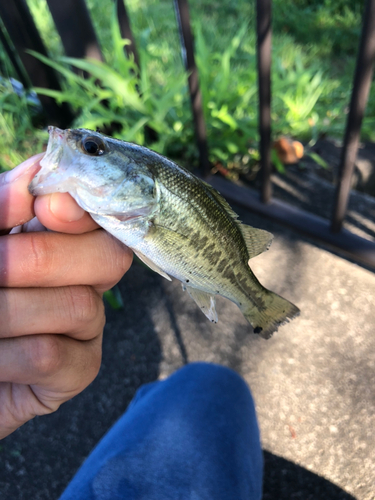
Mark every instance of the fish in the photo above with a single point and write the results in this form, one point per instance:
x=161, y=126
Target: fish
x=176, y=223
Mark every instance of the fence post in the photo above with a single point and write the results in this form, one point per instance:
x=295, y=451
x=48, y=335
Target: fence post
x=22, y=31
x=361, y=88
x=73, y=22
x=186, y=38
x=264, y=89
x=126, y=32
x=24, y=35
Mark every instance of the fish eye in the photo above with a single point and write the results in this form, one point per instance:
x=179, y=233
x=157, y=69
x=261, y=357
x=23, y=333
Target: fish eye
x=93, y=146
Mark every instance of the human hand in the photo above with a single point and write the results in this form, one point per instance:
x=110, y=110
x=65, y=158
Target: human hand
x=51, y=308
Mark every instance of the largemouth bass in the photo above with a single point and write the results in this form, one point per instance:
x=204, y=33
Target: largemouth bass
x=175, y=223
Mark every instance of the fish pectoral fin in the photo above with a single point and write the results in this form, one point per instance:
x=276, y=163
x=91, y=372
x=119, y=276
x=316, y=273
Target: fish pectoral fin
x=151, y=264
x=257, y=240
x=205, y=301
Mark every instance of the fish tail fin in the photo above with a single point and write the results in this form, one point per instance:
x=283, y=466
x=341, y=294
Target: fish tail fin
x=266, y=320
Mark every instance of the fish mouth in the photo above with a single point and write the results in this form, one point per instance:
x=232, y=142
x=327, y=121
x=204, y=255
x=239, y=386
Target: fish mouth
x=50, y=176
x=56, y=133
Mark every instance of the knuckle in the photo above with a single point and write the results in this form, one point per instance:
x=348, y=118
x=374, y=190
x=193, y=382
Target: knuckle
x=90, y=364
x=46, y=354
x=121, y=259
x=95, y=363
x=86, y=306
x=41, y=254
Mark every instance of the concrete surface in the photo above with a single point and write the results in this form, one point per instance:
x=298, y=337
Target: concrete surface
x=313, y=382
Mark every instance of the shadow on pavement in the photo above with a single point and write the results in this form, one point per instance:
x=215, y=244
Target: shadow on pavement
x=284, y=480
x=39, y=459
x=176, y=329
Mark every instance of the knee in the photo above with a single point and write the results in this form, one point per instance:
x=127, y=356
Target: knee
x=214, y=379
x=210, y=372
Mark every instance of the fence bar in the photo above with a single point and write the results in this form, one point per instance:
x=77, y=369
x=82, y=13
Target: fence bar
x=183, y=20
x=345, y=242
x=73, y=22
x=21, y=28
x=264, y=89
x=126, y=32
x=361, y=88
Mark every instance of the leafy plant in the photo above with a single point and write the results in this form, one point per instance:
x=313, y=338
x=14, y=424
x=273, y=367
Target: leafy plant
x=109, y=94
x=318, y=159
x=331, y=25
x=113, y=94
x=296, y=95
x=18, y=137
x=114, y=298
x=310, y=90
x=229, y=104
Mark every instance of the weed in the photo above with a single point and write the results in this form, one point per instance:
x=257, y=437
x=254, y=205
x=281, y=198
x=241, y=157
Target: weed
x=18, y=137
x=311, y=80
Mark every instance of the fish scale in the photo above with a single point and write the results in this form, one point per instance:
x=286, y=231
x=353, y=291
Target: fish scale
x=177, y=224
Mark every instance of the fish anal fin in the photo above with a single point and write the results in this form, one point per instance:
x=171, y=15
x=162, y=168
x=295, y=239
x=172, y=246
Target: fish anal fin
x=257, y=240
x=151, y=264
x=205, y=301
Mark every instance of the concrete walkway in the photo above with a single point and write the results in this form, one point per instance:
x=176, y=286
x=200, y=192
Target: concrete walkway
x=313, y=382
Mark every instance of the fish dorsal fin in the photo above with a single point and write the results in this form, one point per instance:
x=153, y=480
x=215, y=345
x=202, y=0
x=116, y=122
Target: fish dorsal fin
x=204, y=301
x=221, y=200
x=257, y=240
x=151, y=264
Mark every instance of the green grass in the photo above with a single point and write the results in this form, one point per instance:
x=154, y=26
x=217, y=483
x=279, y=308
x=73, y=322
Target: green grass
x=314, y=50
x=19, y=139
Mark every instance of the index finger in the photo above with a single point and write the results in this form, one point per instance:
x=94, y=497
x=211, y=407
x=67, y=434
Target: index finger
x=16, y=203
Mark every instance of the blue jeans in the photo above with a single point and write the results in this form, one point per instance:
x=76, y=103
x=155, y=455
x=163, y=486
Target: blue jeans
x=192, y=436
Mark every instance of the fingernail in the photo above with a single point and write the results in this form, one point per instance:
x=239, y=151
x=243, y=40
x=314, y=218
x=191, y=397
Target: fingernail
x=65, y=208
x=20, y=170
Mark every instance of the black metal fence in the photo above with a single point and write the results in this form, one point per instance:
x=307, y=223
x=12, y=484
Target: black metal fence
x=75, y=28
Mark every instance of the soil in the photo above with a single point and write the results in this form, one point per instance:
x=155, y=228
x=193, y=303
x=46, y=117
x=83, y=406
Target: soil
x=311, y=187
x=364, y=170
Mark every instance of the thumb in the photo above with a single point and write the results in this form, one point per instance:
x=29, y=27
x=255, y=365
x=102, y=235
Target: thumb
x=60, y=212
